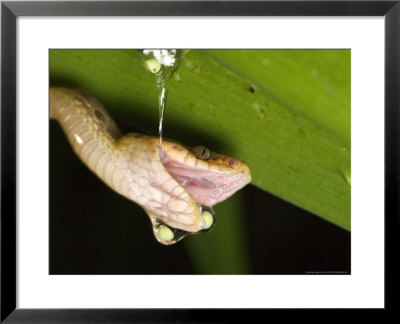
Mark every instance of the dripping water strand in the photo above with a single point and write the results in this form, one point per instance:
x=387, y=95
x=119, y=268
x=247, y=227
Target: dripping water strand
x=163, y=63
x=162, y=101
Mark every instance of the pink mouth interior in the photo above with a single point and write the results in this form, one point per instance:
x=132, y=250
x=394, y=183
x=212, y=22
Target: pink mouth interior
x=205, y=187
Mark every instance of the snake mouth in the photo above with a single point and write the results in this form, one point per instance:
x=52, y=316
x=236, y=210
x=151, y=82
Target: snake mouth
x=207, y=182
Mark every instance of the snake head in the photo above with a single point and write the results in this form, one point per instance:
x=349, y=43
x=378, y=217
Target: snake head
x=176, y=186
x=208, y=177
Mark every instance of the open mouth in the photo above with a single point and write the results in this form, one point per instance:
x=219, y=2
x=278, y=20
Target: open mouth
x=194, y=177
x=205, y=186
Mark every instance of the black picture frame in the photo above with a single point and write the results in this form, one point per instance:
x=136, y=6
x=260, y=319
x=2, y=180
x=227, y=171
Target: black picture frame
x=10, y=10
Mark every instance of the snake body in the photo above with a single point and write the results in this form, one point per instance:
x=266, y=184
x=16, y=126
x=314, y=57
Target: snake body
x=166, y=179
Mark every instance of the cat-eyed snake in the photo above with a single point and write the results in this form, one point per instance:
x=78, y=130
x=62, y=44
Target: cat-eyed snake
x=167, y=180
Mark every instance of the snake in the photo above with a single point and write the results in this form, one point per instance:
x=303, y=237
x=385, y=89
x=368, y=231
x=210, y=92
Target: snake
x=175, y=185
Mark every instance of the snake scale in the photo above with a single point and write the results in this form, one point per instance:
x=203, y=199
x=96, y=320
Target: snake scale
x=169, y=181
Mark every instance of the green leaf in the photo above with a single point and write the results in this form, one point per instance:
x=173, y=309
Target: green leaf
x=314, y=83
x=277, y=122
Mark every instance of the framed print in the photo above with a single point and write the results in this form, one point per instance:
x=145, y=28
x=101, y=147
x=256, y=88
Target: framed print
x=267, y=129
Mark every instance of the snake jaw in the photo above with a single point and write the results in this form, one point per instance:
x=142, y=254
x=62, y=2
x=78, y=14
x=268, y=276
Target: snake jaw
x=151, y=185
x=207, y=182
x=177, y=181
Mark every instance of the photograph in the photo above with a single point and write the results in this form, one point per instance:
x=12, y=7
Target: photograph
x=190, y=161
x=196, y=161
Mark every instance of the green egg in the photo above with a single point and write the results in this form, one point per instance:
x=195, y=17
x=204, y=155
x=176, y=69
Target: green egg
x=165, y=233
x=153, y=65
x=209, y=219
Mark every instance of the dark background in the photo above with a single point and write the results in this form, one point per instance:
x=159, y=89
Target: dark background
x=93, y=230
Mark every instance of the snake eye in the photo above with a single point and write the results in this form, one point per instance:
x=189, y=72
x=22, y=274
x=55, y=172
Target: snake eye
x=201, y=152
